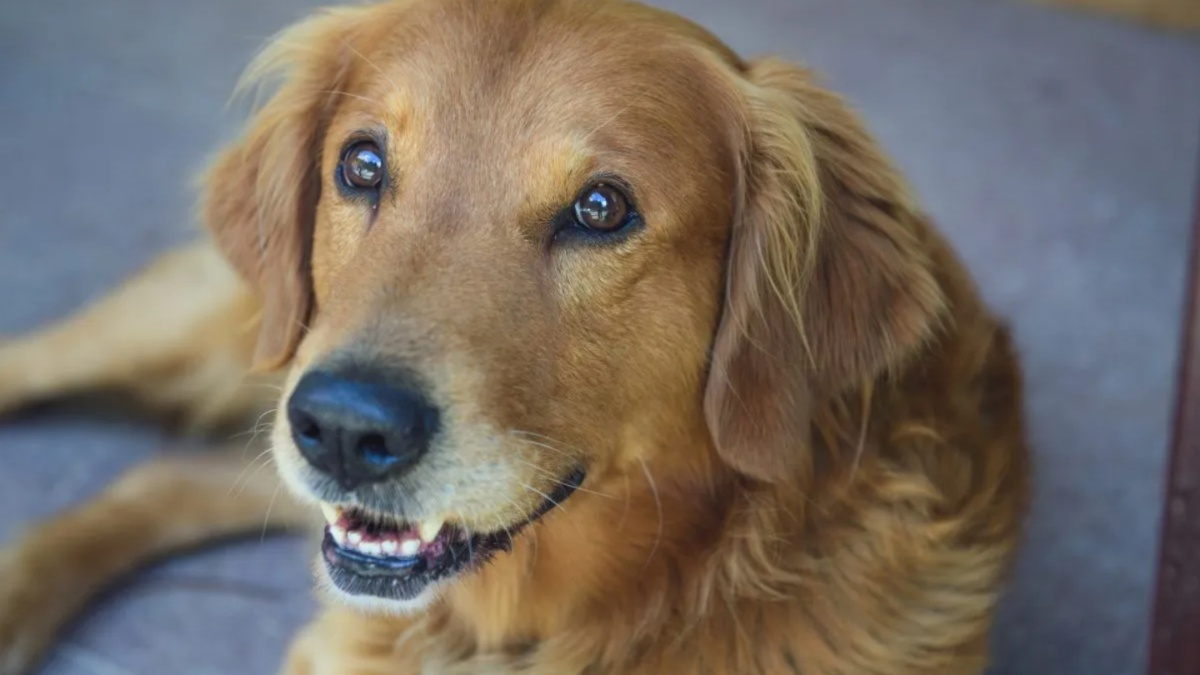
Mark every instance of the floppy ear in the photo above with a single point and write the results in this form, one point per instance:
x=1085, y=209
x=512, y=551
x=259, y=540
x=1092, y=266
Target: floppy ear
x=259, y=197
x=828, y=284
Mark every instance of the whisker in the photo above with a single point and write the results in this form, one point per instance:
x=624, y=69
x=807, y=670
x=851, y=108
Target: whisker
x=247, y=475
x=278, y=41
x=657, y=504
x=405, y=636
x=862, y=432
x=548, y=447
x=608, y=121
x=543, y=494
x=467, y=529
x=262, y=385
x=512, y=543
x=453, y=555
x=256, y=429
x=368, y=99
x=252, y=432
x=548, y=439
x=369, y=62
x=531, y=531
x=267, y=518
x=554, y=479
x=532, y=534
x=233, y=487
x=545, y=445
x=625, y=513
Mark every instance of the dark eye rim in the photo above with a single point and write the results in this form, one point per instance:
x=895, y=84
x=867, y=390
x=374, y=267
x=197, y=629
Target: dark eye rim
x=567, y=225
x=349, y=189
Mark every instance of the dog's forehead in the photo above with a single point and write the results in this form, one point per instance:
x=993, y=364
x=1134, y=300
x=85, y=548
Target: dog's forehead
x=469, y=65
x=554, y=89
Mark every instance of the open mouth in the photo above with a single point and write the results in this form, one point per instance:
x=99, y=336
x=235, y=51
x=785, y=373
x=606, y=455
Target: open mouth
x=369, y=553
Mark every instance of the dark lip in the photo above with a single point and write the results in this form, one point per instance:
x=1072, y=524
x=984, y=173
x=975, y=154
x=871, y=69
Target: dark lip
x=406, y=578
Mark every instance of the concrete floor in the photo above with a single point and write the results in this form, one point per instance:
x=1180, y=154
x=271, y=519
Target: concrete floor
x=1058, y=151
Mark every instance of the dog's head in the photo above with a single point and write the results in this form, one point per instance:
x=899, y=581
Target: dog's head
x=515, y=250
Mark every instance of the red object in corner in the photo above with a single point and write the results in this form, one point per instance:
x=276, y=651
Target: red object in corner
x=1175, y=631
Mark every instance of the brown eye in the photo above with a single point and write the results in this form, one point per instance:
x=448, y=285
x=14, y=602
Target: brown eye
x=362, y=165
x=602, y=207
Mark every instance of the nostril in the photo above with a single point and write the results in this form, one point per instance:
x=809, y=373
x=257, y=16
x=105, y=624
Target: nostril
x=307, y=428
x=373, y=448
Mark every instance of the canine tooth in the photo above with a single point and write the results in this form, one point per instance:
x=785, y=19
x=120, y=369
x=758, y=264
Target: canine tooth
x=354, y=538
x=332, y=513
x=388, y=546
x=429, y=529
x=410, y=547
x=339, y=534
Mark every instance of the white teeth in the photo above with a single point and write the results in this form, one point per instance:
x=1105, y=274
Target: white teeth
x=403, y=543
x=332, y=513
x=410, y=547
x=429, y=529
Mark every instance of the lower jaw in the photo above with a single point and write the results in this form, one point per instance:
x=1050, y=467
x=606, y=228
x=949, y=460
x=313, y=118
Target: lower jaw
x=407, y=579
x=404, y=579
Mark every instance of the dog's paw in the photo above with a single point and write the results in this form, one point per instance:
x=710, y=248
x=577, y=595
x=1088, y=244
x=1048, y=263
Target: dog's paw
x=9, y=390
x=27, y=613
x=13, y=390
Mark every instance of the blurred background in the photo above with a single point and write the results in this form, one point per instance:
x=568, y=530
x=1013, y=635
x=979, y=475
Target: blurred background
x=1057, y=149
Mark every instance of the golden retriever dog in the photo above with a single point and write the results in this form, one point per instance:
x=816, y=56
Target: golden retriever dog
x=599, y=350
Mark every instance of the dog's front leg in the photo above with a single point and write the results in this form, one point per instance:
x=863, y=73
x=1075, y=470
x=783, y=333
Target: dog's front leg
x=177, y=336
x=168, y=504
x=343, y=642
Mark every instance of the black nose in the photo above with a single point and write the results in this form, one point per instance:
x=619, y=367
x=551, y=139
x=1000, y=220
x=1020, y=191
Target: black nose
x=358, y=432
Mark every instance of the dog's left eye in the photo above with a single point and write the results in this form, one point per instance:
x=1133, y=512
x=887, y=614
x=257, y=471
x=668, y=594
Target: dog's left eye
x=362, y=166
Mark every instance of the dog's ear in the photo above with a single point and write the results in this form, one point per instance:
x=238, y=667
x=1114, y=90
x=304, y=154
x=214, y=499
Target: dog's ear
x=259, y=197
x=828, y=282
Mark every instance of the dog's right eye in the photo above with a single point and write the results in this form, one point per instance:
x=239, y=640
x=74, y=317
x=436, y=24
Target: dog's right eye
x=362, y=166
x=600, y=213
x=602, y=208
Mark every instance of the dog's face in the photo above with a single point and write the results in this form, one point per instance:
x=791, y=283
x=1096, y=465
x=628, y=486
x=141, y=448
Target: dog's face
x=493, y=242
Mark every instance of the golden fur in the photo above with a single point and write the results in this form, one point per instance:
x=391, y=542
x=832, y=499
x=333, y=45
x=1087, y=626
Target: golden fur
x=801, y=426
